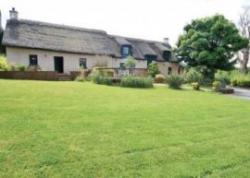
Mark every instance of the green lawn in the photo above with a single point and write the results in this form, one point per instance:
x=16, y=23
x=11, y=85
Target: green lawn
x=71, y=129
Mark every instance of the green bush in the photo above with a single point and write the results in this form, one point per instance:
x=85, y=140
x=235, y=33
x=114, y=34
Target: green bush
x=193, y=76
x=20, y=67
x=99, y=79
x=196, y=86
x=175, y=81
x=240, y=79
x=136, y=82
x=222, y=76
x=3, y=64
x=217, y=85
x=159, y=78
x=153, y=69
x=80, y=78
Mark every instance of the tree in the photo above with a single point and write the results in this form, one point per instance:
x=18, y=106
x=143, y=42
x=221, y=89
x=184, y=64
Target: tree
x=130, y=63
x=210, y=43
x=244, y=24
x=153, y=69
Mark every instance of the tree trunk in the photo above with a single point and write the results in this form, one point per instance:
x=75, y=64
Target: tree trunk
x=244, y=60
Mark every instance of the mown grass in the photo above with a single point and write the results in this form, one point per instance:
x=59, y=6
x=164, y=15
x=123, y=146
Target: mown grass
x=71, y=129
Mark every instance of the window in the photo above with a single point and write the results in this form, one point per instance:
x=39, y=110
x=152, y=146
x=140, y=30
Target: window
x=150, y=58
x=83, y=63
x=167, y=55
x=122, y=66
x=126, y=51
x=33, y=60
x=169, y=71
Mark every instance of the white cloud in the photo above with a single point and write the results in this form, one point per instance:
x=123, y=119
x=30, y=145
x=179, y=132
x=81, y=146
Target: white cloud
x=151, y=19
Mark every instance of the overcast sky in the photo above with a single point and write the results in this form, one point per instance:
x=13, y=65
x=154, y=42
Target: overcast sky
x=149, y=19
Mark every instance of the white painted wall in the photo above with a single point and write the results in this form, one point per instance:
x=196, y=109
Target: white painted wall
x=20, y=56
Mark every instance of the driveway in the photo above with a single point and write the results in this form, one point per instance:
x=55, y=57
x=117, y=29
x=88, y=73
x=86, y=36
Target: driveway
x=242, y=93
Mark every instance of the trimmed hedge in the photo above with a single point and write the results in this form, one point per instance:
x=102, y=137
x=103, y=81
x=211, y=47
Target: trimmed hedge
x=136, y=82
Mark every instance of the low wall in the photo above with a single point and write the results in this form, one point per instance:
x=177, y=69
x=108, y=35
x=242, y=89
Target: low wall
x=54, y=76
x=29, y=75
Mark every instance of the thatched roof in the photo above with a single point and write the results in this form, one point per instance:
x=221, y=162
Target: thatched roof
x=40, y=35
x=47, y=36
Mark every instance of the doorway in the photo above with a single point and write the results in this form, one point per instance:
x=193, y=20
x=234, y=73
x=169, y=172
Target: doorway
x=58, y=61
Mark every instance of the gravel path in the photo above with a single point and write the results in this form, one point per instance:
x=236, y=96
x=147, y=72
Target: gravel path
x=242, y=93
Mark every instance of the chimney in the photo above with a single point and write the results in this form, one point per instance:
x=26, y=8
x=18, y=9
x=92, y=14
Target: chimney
x=166, y=40
x=13, y=14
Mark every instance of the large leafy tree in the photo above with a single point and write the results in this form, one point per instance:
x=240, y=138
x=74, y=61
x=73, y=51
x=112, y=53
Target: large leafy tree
x=244, y=24
x=210, y=43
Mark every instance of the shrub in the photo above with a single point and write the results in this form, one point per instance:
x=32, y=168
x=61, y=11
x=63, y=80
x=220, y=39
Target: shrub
x=3, y=64
x=97, y=77
x=217, y=86
x=136, y=82
x=102, y=71
x=20, y=68
x=193, y=76
x=175, y=81
x=153, y=69
x=240, y=79
x=196, y=86
x=130, y=62
x=159, y=78
x=80, y=78
x=222, y=76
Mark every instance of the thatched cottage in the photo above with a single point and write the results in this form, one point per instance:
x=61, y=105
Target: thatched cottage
x=65, y=48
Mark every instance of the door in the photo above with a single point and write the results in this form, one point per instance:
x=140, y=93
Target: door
x=58, y=61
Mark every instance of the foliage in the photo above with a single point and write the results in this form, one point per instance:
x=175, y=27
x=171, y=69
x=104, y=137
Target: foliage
x=244, y=24
x=130, y=62
x=47, y=126
x=195, y=86
x=136, y=82
x=222, y=76
x=3, y=64
x=80, y=78
x=175, y=81
x=20, y=68
x=102, y=80
x=240, y=79
x=159, y=78
x=193, y=75
x=210, y=42
x=217, y=86
x=153, y=69
x=103, y=71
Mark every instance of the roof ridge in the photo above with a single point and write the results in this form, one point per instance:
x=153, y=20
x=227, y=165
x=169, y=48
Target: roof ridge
x=62, y=26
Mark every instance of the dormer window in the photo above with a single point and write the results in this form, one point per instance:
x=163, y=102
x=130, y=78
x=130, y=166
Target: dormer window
x=126, y=50
x=166, y=55
x=150, y=58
